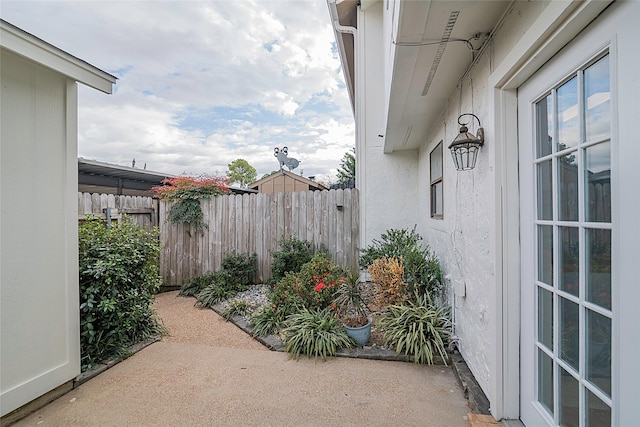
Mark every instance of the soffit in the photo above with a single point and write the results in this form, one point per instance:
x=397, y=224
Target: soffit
x=410, y=113
x=92, y=167
x=37, y=50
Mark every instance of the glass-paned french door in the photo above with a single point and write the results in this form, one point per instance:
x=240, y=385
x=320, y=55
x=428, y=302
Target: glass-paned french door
x=572, y=237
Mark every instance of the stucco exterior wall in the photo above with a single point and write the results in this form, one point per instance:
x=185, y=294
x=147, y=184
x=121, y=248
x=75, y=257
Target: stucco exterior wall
x=464, y=239
x=387, y=200
x=38, y=222
x=479, y=238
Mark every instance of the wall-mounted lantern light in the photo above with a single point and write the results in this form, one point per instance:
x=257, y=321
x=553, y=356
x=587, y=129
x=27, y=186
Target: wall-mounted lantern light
x=465, y=147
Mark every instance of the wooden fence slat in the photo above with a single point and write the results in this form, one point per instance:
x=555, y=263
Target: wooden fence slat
x=346, y=233
x=292, y=209
x=332, y=219
x=254, y=223
x=249, y=206
x=339, y=224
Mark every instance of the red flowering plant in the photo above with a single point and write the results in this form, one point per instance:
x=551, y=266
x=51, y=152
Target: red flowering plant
x=186, y=193
x=312, y=287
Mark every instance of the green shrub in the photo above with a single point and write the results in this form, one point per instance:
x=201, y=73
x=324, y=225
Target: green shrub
x=314, y=333
x=392, y=244
x=237, y=307
x=235, y=276
x=118, y=279
x=197, y=284
x=417, y=328
x=312, y=287
x=267, y=321
x=240, y=269
x=422, y=271
x=291, y=256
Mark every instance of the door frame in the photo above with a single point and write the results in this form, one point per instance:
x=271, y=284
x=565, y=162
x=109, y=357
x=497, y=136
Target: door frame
x=556, y=26
x=580, y=53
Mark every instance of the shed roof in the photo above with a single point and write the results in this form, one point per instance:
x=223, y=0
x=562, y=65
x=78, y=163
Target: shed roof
x=108, y=175
x=311, y=183
x=92, y=172
x=37, y=50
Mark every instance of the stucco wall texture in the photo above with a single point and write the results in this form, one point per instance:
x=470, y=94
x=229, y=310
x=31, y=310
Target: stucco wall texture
x=464, y=239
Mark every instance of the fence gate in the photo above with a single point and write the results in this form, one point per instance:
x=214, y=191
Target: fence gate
x=138, y=209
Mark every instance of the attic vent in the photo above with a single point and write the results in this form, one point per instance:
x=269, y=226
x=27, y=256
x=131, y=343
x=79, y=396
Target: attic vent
x=446, y=35
x=406, y=136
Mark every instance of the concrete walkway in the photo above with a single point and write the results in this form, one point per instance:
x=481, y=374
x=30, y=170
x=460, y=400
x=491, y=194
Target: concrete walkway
x=177, y=382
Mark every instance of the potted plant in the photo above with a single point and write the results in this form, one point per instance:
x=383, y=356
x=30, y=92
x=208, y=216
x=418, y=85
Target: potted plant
x=352, y=310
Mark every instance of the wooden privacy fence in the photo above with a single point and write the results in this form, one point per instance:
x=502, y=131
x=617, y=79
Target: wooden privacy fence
x=254, y=223
x=141, y=210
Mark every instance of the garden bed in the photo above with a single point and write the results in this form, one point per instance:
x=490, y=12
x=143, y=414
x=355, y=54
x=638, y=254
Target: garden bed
x=374, y=350
x=316, y=307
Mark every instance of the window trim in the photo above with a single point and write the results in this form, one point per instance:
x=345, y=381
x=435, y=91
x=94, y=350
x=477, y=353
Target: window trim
x=434, y=182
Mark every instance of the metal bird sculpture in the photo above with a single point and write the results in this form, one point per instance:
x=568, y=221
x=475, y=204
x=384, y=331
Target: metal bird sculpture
x=284, y=159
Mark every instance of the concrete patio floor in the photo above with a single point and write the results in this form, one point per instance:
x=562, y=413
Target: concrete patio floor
x=189, y=380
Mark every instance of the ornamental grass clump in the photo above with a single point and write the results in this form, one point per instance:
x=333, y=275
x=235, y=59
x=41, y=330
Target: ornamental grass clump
x=315, y=333
x=186, y=192
x=417, y=328
x=267, y=321
x=237, y=307
x=194, y=286
x=349, y=302
x=213, y=294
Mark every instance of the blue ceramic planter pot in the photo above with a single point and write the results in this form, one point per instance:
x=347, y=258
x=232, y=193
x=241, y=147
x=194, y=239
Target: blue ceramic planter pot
x=360, y=335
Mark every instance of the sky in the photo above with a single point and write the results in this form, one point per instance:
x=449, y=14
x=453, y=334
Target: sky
x=202, y=83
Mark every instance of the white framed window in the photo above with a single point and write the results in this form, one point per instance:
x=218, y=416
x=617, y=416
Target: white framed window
x=436, y=184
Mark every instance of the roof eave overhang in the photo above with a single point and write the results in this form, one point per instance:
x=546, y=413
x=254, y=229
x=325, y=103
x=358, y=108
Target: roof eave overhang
x=93, y=167
x=429, y=62
x=37, y=50
x=343, y=16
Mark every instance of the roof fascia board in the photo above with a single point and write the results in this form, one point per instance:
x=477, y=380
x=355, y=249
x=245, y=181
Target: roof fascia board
x=28, y=46
x=342, y=51
x=111, y=167
x=398, y=28
x=557, y=25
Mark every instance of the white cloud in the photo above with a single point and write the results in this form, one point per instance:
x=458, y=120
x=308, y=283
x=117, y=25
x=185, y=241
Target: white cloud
x=265, y=67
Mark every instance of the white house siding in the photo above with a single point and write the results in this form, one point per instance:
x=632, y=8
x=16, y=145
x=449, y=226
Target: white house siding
x=40, y=329
x=478, y=238
x=395, y=187
x=387, y=182
x=39, y=313
x=465, y=239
